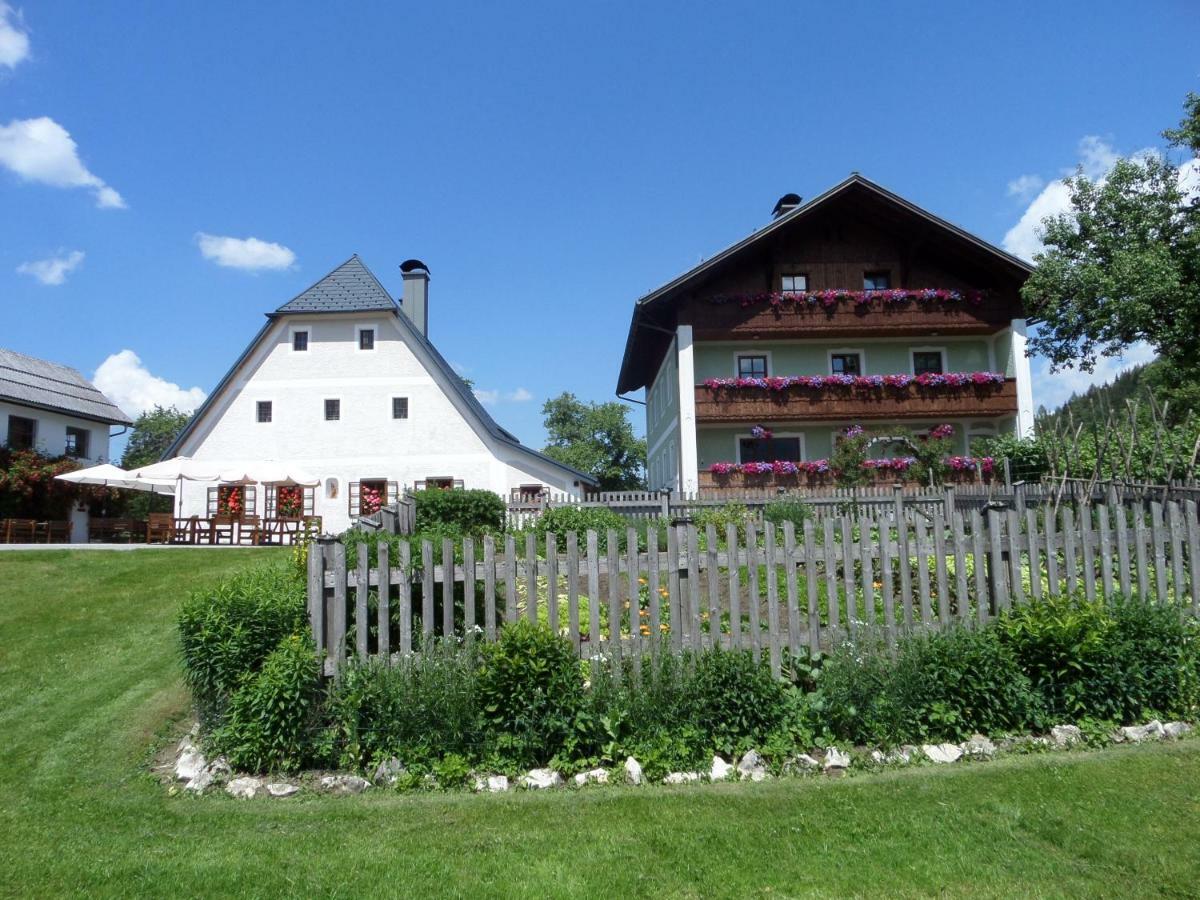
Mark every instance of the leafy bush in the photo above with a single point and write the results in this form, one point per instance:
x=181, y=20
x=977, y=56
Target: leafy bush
x=421, y=707
x=788, y=510
x=721, y=517
x=226, y=633
x=735, y=701
x=600, y=519
x=471, y=512
x=1121, y=661
x=272, y=713
x=530, y=689
x=942, y=686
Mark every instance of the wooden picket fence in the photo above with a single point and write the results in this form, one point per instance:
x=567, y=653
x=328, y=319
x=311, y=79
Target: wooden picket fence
x=772, y=590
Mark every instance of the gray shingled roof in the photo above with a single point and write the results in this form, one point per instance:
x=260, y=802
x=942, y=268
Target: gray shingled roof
x=352, y=287
x=46, y=385
x=349, y=288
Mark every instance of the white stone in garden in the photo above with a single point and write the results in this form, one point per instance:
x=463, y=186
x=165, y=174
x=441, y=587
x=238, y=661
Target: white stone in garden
x=1176, y=729
x=801, y=764
x=191, y=762
x=282, y=789
x=492, y=784
x=245, y=787
x=344, y=784
x=719, y=770
x=592, y=776
x=942, y=753
x=388, y=771
x=681, y=777
x=979, y=747
x=201, y=782
x=1065, y=736
x=1151, y=731
x=836, y=759
x=752, y=766
x=633, y=771
x=540, y=779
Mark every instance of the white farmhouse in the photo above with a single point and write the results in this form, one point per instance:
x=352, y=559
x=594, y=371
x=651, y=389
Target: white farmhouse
x=342, y=383
x=51, y=408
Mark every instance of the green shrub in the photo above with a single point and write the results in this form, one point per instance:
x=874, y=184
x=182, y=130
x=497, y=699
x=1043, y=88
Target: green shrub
x=470, y=512
x=788, y=510
x=420, y=707
x=941, y=686
x=272, y=713
x=721, y=517
x=735, y=701
x=530, y=689
x=600, y=519
x=1119, y=661
x=227, y=632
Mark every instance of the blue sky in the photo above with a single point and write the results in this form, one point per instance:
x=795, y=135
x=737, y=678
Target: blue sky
x=549, y=162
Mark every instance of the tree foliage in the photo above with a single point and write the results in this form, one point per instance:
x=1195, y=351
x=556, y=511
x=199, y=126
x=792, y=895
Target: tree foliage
x=1123, y=265
x=153, y=432
x=596, y=438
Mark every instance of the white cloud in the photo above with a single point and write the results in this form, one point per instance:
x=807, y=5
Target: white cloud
x=492, y=397
x=53, y=270
x=129, y=384
x=1051, y=390
x=248, y=254
x=1025, y=186
x=14, y=42
x=1096, y=158
x=42, y=151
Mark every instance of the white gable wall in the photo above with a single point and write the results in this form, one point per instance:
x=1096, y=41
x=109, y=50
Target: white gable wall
x=437, y=439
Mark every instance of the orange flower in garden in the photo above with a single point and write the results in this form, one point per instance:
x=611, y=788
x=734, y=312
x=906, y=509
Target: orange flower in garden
x=645, y=629
x=641, y=581
x=627, y=604
x=664, y=627
x=662, y=592
x=643, y=612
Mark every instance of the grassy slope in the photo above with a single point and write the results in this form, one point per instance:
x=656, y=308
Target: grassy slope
x=88, y=674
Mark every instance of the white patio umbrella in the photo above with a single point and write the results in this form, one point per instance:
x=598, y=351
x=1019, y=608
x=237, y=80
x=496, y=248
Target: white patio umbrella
x=177, y=469
x=108, y=475
x=267, y=471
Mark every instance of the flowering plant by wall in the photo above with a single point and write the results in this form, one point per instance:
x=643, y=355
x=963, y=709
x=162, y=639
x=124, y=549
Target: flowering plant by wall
x=370, y=500
x=831, y=298
x=986, y=464
x=859, y=382
x=289, y=502
x=231, y=500
x=760, y=433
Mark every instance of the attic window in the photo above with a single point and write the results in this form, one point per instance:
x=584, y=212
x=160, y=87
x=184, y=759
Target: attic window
x=299, y=340
x=366, y=339
x=333, y=410
x=263, y=411
x=399, y=407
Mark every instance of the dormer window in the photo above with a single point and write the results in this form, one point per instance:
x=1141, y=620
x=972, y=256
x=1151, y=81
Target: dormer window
x=794, y=284
x=877, y=281
x=366, y=339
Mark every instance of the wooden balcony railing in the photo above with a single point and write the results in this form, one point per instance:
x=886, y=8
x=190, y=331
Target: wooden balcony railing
x=731, y=321
x=854, y=405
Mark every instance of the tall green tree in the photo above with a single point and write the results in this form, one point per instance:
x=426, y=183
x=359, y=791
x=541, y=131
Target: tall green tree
x=153, y=432
x=596, y=438
x=1124, y=264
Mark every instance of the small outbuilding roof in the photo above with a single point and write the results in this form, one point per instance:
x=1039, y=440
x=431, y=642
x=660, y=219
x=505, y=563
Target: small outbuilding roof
x=45, y=385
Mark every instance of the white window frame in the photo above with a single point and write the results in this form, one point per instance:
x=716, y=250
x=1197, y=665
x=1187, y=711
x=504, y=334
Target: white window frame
x=842, y=351
x=738, y=438
x=913, y=351
x=293, y=330
x=784, y=275
x=738, y=354
x=359, y=329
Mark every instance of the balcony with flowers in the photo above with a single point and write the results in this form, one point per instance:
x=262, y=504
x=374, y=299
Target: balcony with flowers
x=837, y=311
x=856, y=397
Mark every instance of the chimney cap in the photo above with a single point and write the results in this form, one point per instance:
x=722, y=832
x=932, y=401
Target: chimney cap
x=413, y=265
x=786, y=203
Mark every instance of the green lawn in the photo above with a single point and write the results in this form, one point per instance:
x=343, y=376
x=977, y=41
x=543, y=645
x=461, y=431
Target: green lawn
x=89, y=676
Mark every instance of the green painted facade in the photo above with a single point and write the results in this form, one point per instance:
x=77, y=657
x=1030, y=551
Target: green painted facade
x=717, y=359
x=662, y=425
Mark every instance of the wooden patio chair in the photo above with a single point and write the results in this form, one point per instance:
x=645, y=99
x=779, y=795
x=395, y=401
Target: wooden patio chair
x=22, y=531
x=221, y=530
x=57, y=531
x=249, y=530
x=160, y=528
